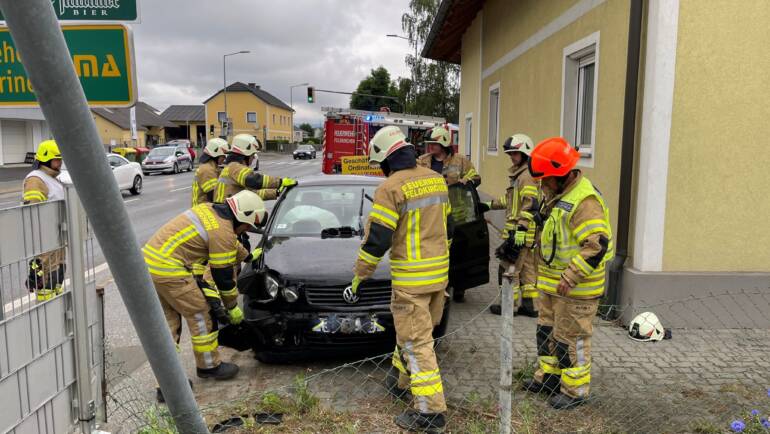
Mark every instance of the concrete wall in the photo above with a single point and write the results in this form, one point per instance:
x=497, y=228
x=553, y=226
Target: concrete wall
x=238, y=104
x=716, y=215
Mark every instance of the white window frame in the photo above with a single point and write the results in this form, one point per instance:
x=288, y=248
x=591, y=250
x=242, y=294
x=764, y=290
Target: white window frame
x=576, y=55
x=468, y=133
x=255, y=121
x=492, y=89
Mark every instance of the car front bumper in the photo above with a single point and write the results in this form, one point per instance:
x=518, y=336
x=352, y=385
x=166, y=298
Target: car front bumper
x=163, y=167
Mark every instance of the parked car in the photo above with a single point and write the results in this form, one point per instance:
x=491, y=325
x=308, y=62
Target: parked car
x=304, y=151
x=167, y=159
x=293, y=295
x=186, y=144
x=128, y=174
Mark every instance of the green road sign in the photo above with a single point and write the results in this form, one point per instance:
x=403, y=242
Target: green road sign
x=103, y=58
x=94, y=10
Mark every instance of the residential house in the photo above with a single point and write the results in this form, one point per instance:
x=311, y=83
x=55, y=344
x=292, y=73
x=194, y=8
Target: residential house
x=189, y=121
x=21, y=130
x=114, y=126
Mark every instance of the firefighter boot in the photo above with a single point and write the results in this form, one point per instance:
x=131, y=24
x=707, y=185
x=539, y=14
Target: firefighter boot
x=159, y=394
x=224, y=371
x=413, y=421
x=563, y=402
x=527, y=308
x=391, y=384
x=550, y=385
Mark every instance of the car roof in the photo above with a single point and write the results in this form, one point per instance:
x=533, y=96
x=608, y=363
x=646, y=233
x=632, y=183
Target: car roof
x=322, y=180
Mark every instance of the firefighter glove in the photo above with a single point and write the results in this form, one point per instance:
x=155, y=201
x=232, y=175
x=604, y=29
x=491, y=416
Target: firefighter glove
x=254, y=255
x=485, y=206
x=520, y=236
x=285, y=183
x=236, y=315
x=354, y=285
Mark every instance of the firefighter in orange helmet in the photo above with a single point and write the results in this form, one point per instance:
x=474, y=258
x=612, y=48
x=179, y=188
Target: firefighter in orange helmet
x=575, y=242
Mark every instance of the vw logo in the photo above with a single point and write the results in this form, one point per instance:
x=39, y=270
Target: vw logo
x=349, y=296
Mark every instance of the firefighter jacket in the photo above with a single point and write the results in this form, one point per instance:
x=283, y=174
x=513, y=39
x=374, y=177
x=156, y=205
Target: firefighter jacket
x=456, y=168
x=575, y=241
x=236, y=176
x=41, y=185
x=521, y=201
x=205, y=183
x=410, y=217
x=198, y=236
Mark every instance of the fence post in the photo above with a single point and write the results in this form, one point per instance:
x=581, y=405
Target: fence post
x=506, y=350
x=76, y=223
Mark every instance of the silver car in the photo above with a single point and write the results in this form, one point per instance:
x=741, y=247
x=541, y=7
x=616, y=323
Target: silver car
x=167, y=159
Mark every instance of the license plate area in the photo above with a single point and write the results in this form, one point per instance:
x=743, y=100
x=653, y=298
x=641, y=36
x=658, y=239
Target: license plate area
x=348, y=324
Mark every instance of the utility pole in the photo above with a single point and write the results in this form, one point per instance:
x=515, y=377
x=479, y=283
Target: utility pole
x=224, y=85
x=291, y=104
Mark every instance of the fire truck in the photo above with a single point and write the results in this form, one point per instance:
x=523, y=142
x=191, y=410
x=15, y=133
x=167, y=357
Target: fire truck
x=347, y=132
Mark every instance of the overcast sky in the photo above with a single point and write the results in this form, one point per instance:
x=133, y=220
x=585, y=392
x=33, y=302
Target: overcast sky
x=332, y=44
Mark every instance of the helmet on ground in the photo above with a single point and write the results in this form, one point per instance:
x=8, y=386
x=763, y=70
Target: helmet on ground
x=387, y=141
x=552, y=157
x=439, y=135
x=519, y=143
x=646, y=327
x=216, y=147
x=47, y=150
x=245, y=144
x=247, y=207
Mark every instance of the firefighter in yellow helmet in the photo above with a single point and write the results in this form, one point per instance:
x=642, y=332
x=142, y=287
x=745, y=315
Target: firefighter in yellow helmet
x=521, y=202
x=237, y=174
x=575, y=243
x=411, y=218
x=440, y=157
x=207, y=175
x=206, y=233
x=46, y=272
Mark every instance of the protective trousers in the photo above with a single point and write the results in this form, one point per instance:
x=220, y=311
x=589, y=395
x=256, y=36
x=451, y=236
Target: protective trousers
x=564, y=330
x=524, y=278
x=46, y=275
x=181, y=298
x=414, y=316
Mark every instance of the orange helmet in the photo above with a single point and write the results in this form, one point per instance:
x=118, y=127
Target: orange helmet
x=552, y=157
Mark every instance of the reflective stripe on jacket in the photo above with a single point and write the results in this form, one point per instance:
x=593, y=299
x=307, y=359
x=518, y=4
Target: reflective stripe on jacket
x=455, y=168
x=232, y=179
x=521, y=200
x=206, y=178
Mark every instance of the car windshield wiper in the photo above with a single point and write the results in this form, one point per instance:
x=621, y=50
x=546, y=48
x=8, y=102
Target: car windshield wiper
x=340, y=232
x=361, y=212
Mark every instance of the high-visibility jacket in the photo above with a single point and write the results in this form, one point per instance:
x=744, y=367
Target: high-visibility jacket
x=455, y=168
x=521, y=201
x=409, y=217
x=237, y=176
x=575, y=241
x=205, y=182
x=197, y=236
x=41, y=185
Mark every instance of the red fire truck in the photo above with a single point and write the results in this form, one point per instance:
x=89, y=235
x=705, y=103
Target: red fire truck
x=347, y=132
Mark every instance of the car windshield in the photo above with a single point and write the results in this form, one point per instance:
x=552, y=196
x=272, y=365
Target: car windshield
x=305, y=148
x=306, y=211
x=161, y=152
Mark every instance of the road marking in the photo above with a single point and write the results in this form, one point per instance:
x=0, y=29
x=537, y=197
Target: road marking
x=179, y=189
x=130, y=200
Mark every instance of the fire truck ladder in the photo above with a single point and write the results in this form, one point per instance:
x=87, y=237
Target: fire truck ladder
x=362, y=135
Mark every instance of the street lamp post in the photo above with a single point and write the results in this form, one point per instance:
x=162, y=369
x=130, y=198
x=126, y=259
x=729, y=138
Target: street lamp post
x=291, y=104
x=224, y=81
x=398, y=36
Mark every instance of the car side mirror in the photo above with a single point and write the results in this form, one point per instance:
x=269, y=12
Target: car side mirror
x=178, y=153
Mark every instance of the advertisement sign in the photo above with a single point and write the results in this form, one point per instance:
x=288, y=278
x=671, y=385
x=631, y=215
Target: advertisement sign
x=359, y=165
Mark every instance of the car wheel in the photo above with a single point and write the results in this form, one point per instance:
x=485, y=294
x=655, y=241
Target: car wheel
x=458, y=296
x=137, y=188
x=176, y=168
x=274, y=358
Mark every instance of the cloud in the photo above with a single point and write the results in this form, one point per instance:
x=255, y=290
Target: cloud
x=332, y=44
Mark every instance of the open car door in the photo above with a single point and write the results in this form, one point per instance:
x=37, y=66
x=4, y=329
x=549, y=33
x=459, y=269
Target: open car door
x=469, y=254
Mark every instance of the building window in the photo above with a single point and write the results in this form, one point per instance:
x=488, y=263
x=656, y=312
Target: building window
x=273, y=119
x=468, y=135
x=581, y=62
x=221, y=117
x=494, y=117
x=251, y=117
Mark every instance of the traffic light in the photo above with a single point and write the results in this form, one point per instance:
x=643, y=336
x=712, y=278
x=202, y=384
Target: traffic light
x=310, y=95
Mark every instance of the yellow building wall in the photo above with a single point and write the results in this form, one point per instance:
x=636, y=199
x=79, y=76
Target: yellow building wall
x=716, y=206
x=107, y=130
x=469, y=87
x=531, y=85
x=238, y=104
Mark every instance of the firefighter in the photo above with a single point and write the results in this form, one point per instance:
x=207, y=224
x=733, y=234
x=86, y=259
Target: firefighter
x=204, y=233
x=46, y=272
x=442, y=159
x=575, y=244
x=410, y=217
x=237, y=174
x=207, y=174
x=521, y=202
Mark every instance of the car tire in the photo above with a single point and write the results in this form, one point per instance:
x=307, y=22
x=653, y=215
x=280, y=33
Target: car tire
x=136, y=189
x=275, y=358
x=176, y=169
x=458, y=296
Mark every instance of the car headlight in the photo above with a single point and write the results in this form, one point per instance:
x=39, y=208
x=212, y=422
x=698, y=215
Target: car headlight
x=290, y=294
x=272, y=286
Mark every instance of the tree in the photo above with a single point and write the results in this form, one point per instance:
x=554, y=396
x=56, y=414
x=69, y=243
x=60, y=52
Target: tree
x=307, y=128
x=434, y=87
x=378, y=82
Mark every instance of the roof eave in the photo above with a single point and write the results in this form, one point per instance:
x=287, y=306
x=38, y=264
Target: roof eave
x=435, y=28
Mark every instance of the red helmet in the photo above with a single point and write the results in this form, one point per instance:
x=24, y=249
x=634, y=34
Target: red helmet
x=552, y=157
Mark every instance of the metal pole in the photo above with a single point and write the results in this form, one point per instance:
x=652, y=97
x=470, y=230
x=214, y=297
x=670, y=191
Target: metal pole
x=86, y=407
x=506, y=349
x=37, y=35
x=224, y=83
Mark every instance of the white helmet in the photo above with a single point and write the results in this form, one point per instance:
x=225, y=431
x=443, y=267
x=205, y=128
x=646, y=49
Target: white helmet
x=387, y=141
x=216, y=147
x=519, y=143
x=646, y=327
x=245, y=144
x=439, y=135
x=247, y=207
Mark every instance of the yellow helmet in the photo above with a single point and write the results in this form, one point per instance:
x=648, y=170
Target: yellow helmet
x=439, y=135
x=245, y=144
x=248, y=208
x=387, y=141
x=216, y=147
x=47, y=150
